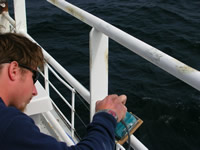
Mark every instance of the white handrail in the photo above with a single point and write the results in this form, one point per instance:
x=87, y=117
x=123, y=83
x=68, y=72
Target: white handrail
x=155, y=56
x=136, y=144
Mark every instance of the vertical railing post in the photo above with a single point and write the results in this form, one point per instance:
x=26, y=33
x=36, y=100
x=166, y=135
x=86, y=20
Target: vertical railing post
x=4, y=23
x=98, y=68
x=73, y=113
x=20, y=16
x=46, y=78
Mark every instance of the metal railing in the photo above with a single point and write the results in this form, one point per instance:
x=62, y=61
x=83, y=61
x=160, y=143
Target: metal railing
x=99, y=36
x=51, y=65
x=155, y=56
x=71, y=106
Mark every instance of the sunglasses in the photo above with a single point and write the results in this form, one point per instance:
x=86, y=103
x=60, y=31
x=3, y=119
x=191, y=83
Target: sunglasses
x=36, y=74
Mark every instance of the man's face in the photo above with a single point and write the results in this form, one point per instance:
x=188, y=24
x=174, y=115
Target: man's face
x=26, y=90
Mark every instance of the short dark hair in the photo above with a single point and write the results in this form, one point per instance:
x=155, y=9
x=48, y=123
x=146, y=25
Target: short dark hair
x=16, y=47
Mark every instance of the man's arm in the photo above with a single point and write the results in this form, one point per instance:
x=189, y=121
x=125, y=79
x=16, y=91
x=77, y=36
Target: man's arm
x=22, y=134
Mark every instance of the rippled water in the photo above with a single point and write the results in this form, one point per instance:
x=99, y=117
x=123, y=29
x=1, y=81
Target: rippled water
x=169, y=108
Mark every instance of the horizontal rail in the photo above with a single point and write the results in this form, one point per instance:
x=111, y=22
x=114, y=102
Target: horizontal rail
x=61, y=80
x=60, y=112
x=119, y=147
x=55, y=89
x=155, y=56
x=136, y=144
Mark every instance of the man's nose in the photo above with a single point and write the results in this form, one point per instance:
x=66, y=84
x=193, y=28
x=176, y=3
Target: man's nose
x=34, y=93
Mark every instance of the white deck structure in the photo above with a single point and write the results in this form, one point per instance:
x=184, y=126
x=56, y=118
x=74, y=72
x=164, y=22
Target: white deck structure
x=44, y=111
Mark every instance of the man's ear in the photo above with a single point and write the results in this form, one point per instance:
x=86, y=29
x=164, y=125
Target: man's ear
x=13, y=70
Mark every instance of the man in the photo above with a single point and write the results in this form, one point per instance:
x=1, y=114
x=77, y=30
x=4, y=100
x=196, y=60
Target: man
x=19, y=59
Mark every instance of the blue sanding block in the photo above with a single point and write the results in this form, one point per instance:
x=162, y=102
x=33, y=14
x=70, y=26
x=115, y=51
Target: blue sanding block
x=132, y=122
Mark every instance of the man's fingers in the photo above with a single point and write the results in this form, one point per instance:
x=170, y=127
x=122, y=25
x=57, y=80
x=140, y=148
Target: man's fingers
x=113, y=96
x=115, y=103
x=97, y=102
x=123, y=99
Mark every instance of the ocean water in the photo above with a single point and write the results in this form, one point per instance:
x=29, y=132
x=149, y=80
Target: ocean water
x=169, y=108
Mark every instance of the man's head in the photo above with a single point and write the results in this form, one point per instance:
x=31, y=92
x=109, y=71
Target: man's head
x=19, y=59
x=18, y=48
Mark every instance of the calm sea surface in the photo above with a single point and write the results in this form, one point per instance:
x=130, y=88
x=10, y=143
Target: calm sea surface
x=169, y=108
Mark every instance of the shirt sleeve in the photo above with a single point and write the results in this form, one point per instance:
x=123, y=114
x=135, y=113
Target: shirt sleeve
x=23, y=134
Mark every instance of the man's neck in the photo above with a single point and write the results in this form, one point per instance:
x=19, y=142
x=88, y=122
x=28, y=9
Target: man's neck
x=2, y=99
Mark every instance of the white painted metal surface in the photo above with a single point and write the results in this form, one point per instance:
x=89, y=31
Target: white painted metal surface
x=119, y=147
x=46, y=78
x=9, y=21
x=98, y=68
x=20, y=15
x=73, y=114
x=58, y=128
x=136, y=144
x=4, y=23
x=40, y=103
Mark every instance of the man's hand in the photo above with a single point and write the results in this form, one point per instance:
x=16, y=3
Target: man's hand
x=115, y=103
